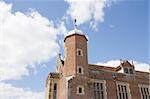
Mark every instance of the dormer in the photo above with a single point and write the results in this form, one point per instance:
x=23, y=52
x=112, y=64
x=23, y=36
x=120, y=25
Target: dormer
x=125, y=67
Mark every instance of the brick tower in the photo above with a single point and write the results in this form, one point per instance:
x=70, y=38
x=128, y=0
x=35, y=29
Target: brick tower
x=75, y=53
x=76, y=63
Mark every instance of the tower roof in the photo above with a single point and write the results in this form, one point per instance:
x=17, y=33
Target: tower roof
x=75, y=32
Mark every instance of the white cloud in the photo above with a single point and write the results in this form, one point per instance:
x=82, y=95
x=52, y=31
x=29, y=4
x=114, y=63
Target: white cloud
x=111, y=63
x=7, y=91
x=138, y=65
x=25, y=39
x=141, y=66
x=88, y=11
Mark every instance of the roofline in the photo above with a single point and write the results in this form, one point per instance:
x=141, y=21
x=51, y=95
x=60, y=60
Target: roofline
x=142, y=71
x=101, y=65
x=117, y=67
x=75, y=34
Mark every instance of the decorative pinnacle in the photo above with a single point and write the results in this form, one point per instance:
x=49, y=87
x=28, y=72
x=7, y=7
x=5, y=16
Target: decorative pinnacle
x=75, y=23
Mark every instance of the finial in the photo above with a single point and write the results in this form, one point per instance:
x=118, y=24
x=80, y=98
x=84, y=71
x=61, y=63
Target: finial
x=120, y=61
x=59, y=54
x=132, y=62
x=75, y=23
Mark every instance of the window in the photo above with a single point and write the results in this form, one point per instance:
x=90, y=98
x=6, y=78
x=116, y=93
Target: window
x=99, y=90
x=131, y=71
x=80, y=90
x=79, y=52
x=144, y=91
x=128, y=70
x=80, y=70
x=55, y=86
x=123, y=91
x=55, y=91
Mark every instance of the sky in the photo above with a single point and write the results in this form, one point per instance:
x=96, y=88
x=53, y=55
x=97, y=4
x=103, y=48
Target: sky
x=32, y=33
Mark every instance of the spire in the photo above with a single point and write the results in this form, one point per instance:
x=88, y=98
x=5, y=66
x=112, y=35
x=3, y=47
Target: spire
x=75, y=23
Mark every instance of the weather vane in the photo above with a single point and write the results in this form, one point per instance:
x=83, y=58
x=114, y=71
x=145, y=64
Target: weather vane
x=75, y=23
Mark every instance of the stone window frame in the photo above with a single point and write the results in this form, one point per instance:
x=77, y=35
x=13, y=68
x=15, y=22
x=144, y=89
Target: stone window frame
x=81, y=52
x=127, y=88
x=145, y=94
x=104, y=85
x=82, y=70
x=82, y=88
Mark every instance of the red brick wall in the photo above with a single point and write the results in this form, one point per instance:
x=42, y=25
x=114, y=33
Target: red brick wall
x=72, y=60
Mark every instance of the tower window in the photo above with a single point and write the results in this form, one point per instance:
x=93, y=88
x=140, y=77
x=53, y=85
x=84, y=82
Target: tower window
x=80, y=90
x=79, y=52
x=55, y=91
x=55, y=86
x=80, y=70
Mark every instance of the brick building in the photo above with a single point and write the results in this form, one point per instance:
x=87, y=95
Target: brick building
x=75, y=78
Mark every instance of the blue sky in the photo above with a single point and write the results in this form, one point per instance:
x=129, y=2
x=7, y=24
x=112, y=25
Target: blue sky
x=121, y=33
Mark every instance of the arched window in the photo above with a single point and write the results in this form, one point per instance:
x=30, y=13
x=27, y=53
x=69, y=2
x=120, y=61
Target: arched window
x=80, y=70
x=80, y=89
x=79, y=52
